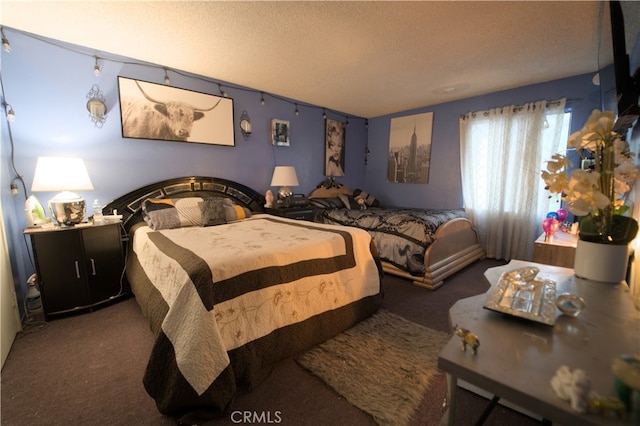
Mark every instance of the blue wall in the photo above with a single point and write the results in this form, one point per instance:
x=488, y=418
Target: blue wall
x=444, y=189
x=46, y=82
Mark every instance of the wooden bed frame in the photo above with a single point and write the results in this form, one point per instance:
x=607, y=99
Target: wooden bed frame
x=455, y=246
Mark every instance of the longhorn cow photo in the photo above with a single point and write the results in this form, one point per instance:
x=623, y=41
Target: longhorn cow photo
x=154, y=111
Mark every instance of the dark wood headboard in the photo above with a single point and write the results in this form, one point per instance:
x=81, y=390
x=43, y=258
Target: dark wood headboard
x=130, y=205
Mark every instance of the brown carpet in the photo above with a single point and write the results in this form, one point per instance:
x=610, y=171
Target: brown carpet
x=87, y=369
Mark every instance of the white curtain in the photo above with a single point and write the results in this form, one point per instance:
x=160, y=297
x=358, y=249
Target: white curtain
x=502, y=152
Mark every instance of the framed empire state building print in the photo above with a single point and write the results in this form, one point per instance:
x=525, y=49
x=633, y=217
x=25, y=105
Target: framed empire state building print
x=410, y=148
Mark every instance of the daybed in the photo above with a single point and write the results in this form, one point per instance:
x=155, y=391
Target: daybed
x=423, y=245
x=227, y=302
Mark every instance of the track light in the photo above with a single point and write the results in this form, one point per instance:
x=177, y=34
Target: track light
x=5, y=43
x=324, y=114
x=346, y=124
x=166, y=77
x=11, y=115
x=261, y=98
x=222, y=92
x=297, y=110
x=96, y=68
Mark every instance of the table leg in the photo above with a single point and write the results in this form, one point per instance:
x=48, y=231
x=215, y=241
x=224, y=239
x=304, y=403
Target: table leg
x=452, y=388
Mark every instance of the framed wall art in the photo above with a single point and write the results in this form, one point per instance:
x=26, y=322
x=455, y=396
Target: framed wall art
x=334, y=147
x=280, y=132
x=410, y=148
x=155, y=111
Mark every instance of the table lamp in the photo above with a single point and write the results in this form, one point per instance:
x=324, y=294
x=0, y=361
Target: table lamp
x=284, y=176
x=63, y=174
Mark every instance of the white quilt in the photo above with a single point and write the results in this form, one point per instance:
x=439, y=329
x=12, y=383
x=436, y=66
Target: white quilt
x=298, y=268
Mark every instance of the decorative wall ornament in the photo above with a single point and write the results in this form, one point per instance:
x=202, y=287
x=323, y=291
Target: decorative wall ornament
x=245, y=124
x=155, y=111
x=96, y=106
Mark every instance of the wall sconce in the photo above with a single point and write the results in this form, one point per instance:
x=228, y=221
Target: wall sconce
x=245, y=124
x=96, y=106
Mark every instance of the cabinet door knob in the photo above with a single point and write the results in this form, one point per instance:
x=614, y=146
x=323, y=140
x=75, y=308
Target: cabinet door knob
x=93, y=267
x=77, y=270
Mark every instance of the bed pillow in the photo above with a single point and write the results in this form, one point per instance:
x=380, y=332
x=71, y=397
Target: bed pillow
x=327, y=203
x=369, y=199
x=236, y=212
x=212, y=211
x=323, y=192
x=169, y=213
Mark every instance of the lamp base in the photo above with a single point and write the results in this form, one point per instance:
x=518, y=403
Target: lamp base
x=284, y=192
x=68, y=208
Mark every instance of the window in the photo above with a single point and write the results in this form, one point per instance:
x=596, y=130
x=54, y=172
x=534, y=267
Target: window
x=503, y=151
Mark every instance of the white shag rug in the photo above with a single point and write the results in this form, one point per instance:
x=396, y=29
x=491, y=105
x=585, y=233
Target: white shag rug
x=382, y=365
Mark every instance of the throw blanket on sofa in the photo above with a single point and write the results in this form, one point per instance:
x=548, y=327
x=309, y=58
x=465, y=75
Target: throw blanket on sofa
x=226, y=299
x=401, y=235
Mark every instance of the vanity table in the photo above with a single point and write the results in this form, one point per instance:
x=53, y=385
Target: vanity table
x=517, y=358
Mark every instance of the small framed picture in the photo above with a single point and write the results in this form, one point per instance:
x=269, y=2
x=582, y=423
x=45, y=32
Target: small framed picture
x=280, y=132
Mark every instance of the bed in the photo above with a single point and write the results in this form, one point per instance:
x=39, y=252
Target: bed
x=423, y=245
x=228, y=301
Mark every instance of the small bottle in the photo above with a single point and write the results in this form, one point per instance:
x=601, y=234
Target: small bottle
x=98, y=218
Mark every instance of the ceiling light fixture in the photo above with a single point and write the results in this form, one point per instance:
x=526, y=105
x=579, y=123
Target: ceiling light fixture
x=324, y=114
x=222, y=92
x=297, y=110
x=261, y=98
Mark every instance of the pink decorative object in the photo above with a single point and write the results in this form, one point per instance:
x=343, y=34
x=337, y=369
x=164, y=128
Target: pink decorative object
x=562, y=214
x=549, y=226
x=269, y=198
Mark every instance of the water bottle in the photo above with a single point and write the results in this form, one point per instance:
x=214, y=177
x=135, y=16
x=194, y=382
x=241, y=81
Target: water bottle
x=98, y=218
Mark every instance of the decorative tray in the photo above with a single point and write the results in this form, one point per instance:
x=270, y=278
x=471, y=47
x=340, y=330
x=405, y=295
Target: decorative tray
x=519, y=293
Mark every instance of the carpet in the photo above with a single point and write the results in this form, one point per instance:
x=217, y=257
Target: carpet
x=383, y=365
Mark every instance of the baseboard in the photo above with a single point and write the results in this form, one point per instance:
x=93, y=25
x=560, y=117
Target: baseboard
x=468, y=386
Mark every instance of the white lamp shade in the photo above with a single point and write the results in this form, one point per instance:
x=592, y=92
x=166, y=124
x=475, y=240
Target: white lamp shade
x=61, y=174
x=284, y=176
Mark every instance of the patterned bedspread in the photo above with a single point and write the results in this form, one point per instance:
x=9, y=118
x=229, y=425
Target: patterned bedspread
x=224, y=300
x=400, y=235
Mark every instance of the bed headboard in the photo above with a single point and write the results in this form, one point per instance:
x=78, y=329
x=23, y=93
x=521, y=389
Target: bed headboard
x=130, y=205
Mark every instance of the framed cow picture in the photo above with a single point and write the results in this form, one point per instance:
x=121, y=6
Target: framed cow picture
x=156, y=111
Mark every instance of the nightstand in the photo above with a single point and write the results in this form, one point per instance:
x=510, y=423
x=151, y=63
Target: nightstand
x=561, y=251
x=78, y=267
x=299, y=213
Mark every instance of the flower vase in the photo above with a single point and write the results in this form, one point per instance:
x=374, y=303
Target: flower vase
x=601, y=262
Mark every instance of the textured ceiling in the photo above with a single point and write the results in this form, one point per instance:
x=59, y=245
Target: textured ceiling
x=361, y=58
